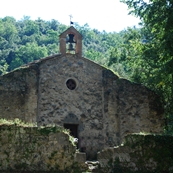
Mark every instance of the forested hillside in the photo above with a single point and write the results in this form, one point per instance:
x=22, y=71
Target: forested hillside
x=27, y=40
x=140, y=55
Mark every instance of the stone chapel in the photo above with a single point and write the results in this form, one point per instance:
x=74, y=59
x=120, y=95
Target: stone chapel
x=69, y=90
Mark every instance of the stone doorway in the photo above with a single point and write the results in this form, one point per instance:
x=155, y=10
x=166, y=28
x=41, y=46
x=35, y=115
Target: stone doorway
x=73, y=129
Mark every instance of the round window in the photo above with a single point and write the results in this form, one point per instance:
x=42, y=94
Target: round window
x=71, y=84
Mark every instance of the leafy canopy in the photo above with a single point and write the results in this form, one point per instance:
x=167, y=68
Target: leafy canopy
x=156, y=21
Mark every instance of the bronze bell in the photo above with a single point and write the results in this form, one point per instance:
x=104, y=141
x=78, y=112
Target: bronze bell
x=71, y=38
x=70, y=47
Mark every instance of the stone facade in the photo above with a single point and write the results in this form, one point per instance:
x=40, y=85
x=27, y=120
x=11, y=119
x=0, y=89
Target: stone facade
x=66, y=89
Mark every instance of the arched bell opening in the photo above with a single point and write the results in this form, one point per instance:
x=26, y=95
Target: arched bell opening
x=70, y=43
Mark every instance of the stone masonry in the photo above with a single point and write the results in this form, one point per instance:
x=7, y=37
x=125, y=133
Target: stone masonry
x=69, y=90
x=103, y=106
x=34, y=149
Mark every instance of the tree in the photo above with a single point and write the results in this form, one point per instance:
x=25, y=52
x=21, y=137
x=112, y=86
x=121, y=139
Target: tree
x=30, y=28
x=9, y=30
x=4, y=68
x=28, y=53
x=157, y=19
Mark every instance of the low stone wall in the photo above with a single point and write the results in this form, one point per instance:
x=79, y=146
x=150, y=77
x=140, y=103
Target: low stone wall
x=152, y=153
x=35, y=149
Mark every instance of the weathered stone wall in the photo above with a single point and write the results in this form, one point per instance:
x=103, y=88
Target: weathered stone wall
x=129, y=108
x=140, y=109
x=18, y=94
x=34, y=149
x=103, y=107
x=82, y=106
x=140, y=153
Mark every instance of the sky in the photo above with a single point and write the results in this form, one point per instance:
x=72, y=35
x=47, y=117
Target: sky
x=108, y=15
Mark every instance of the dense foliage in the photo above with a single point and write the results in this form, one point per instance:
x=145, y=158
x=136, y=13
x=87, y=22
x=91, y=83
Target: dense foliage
x=27, y=40
x=155, y=49
x=142, y=55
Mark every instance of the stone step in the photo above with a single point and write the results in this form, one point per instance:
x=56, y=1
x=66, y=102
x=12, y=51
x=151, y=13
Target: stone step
x=93, y=166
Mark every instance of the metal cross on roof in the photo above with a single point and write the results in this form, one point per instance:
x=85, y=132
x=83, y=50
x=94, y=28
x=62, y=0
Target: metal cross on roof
x=71, y=23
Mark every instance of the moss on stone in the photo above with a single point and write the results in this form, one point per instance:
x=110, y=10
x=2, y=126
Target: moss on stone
x=26, y=147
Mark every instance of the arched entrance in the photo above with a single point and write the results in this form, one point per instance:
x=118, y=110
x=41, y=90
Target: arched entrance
x=73, y=129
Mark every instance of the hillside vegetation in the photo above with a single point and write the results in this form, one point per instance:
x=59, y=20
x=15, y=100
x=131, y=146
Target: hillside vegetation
x=27, y=40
